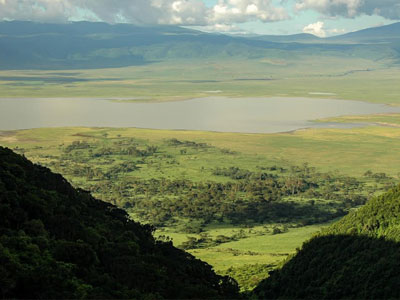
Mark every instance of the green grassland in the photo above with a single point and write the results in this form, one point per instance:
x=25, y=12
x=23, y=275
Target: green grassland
x=252, y=249
x=318, y=76
x=386, y=120
x=249, y=259
x=257, y=249
x=352, y=151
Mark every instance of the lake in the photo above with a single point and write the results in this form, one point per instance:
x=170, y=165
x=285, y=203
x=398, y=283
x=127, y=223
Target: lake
x=248, y=115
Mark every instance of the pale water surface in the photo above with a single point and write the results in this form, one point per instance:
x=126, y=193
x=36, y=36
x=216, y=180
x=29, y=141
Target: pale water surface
x=250, y=115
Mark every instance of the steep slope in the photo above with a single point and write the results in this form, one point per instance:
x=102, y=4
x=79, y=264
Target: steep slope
x=58, y=242
x=357, y=257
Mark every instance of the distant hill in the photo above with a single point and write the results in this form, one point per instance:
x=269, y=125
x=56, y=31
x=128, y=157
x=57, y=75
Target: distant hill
x=28, y=45
x=375, y=35
x=380, y=34
x=355, y=258
x=293, y=38
x=57, y=242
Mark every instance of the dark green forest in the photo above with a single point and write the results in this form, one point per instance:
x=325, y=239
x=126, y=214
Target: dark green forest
x=60, y=242
x=357, y=257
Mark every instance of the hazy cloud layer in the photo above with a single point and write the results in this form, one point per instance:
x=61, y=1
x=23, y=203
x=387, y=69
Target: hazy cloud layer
x=177, y=12
x=389, y=9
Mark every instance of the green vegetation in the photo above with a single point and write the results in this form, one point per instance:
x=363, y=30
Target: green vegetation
x=259, y=250
x=357, y=257
x=149, y=179
x=59, y=242
x=229, y=202
x=378, y=219
x=37, y=207
x=385, y=120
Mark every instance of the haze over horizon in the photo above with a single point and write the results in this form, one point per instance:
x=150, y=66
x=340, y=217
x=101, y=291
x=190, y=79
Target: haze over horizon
x=275, y=17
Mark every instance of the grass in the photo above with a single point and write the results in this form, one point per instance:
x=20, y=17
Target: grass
x=242, y=259
x=255, y=249
x=388, y=120
x=352, y=151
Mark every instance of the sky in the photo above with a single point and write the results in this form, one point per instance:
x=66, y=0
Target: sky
x=275, y=17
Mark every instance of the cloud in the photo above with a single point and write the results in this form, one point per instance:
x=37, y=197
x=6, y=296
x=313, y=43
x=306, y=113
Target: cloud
x=239, y=11
x=39, y=10
x=320, y=30
x=389, y=9
x=315, y=29
x=173, y=12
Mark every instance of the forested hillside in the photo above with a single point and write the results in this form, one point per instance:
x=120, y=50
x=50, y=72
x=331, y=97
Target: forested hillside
x=59, y=242
x=357, y=257
x=379, y=219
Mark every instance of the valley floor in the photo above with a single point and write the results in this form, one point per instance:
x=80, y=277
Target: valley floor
x=247, y=250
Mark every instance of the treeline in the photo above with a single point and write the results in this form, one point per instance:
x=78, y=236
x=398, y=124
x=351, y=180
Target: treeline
x=175, y=142
x=129, y=147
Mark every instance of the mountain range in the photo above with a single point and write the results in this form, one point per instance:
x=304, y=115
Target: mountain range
x=27, y=45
